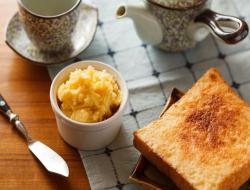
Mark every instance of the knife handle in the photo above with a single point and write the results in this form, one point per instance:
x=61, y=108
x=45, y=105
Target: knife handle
x=5, y=109
x=13, y=118
x=3, y=105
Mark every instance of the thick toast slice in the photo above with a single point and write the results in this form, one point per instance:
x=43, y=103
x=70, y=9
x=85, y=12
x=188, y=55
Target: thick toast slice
x=202, y=142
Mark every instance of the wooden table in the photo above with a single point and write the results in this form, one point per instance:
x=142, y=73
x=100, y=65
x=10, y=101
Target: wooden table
x=26, y=88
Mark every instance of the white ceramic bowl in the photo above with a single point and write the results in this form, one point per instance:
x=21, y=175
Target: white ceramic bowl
x=88, y=136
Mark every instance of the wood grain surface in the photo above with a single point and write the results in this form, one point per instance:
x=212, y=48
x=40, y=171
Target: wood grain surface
x=26, y=89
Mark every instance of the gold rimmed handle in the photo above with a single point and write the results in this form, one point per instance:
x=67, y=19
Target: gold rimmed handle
x=238, y=28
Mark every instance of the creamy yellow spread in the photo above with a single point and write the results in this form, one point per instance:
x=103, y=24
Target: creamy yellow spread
x=89, y=95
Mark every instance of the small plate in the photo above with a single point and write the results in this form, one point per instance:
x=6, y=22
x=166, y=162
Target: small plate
x=147, y=175
x=17, y=39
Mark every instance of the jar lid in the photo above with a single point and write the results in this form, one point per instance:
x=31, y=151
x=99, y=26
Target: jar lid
x=177, y=4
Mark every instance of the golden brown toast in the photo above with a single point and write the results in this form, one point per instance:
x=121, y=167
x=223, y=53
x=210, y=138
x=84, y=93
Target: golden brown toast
x=202, y=142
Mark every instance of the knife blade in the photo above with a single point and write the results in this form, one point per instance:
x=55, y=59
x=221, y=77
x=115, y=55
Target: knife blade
x=49, y=158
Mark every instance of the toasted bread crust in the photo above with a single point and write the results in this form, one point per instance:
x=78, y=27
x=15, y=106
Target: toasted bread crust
x=203, y=140
x=162, y=166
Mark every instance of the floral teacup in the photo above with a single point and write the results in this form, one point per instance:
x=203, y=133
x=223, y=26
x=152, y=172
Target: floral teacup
x=49, y=23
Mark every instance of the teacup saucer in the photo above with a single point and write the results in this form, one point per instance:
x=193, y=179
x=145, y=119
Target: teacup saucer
x=17, y=39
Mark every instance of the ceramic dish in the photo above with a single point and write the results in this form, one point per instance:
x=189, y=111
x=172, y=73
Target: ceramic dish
x=83, y=35
x=147, y=175
x=88, y=136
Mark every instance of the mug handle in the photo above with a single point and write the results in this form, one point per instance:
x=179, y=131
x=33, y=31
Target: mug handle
x=217, y=21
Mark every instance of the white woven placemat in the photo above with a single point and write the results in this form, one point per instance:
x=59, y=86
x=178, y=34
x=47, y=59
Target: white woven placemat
x=150, y=75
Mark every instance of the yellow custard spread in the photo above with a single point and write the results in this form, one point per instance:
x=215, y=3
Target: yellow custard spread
x=89, y=95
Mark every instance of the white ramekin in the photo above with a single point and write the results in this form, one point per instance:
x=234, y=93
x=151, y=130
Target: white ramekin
x=88, y=136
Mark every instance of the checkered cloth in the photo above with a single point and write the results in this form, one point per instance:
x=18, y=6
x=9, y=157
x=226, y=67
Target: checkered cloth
x=150, y=75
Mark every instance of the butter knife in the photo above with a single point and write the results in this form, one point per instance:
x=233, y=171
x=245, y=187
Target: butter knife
x=52, y=161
